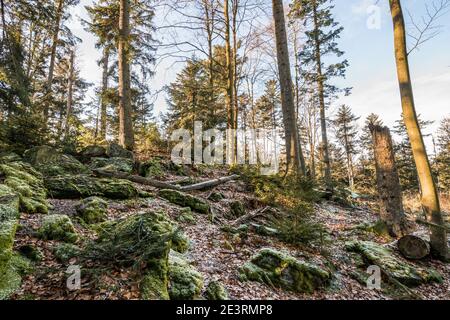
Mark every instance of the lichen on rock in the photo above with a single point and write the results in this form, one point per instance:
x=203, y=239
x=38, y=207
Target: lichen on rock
x=185, y=200
x=27, y=183
x=185, y=282
x=92, y=210
x=81, y=186
x=115, y=164
x=397, y=269
x=57, y=227
x=216, y=291
x=279, y=269
x=50, y=162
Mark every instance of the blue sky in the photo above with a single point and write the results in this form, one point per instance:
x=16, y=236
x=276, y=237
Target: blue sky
x=372, y=72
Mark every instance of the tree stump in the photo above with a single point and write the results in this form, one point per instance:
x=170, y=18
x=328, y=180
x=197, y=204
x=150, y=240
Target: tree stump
x=412, y=247
x=388, y=183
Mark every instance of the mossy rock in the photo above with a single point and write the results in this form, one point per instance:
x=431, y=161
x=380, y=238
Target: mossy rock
x=401, y=271
x=27, y=183
x=180, y=242
x=92, y=151
x=216, y=291
x=113, y=164
x=114, y=150
x=57, y=227
x=379, y=228
x=31, y=252
x=216, y=196
x=186, y=216
x=6, y=157
x=185, y=282
x=82, y=186
x=237, y=209
x=9, y=203
x=63, y=252
x=7, y=233
x=11, y=275
x=279, y=269
x=92, y=210
x=151, y=169
x=185, y=200
x=50, y=162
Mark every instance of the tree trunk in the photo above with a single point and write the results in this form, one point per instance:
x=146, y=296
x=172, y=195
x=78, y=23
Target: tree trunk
x=235, y=75
x=51, y=66
x=126, y=134
x=103, y=115
x=430, y=199
x=230, y=85
x=323, y=121
x=69, y=94
x=389, y=189
x=294, y=154
x=412, y=247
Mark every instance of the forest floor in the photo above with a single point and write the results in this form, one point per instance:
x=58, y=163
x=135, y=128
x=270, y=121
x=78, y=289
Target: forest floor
x=215, y=253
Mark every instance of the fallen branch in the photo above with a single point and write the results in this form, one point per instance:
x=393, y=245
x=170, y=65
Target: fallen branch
x=137, y=179
x=209, y=183
x=430, y=224
x=249, y=216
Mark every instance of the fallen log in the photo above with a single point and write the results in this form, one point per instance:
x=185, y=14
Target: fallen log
x=135, y=178
x=209, y=183
x=413, y=247
x=430, y=224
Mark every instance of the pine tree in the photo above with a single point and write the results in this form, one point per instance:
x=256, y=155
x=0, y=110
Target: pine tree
x=322, y=33
x=442, y=160
x=346, y=133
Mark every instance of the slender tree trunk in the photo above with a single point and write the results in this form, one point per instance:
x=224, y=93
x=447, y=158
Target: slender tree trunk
x=126, y=134
x=51, y=66
x=230, y=85
x=103, y=107
x=69, y=95
x=323, y=121
x=235, y=75
x=294, y=154
x=388, y=183
x=430, y=199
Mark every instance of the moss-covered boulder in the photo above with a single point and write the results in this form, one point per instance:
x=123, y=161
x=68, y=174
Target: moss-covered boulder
x=7, y=233
x=57, y=227
x=81, y=186
x=114, y=150
x=185, y=200
x=216, y=196
x=237, y=209
x=113, y=164
x=279, y=269
x=180, y=242
x=27, y=183
x=6, y=157
x=9, y=203
x=11, y=275
x=396, y=268
x=151, y=168
x=185, y=282
x=63, y=252
x=186, y=216
x=50, y=162
x=92, y=210
x=92, y=151
x=216, y=291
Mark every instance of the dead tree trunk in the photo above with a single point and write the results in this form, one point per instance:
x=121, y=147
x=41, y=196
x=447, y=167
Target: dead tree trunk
x=389, y=190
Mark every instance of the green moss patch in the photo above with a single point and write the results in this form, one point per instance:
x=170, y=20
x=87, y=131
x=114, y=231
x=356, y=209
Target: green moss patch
x=113, y=164
x=82, y=186
x=216, y=291
x=185, y=200
x=185, y=282
x=57, y=227
x=279, y=269
x=397, y=269
x=92, y=210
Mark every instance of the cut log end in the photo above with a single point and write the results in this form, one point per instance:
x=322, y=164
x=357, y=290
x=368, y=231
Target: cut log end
x=413, y=247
